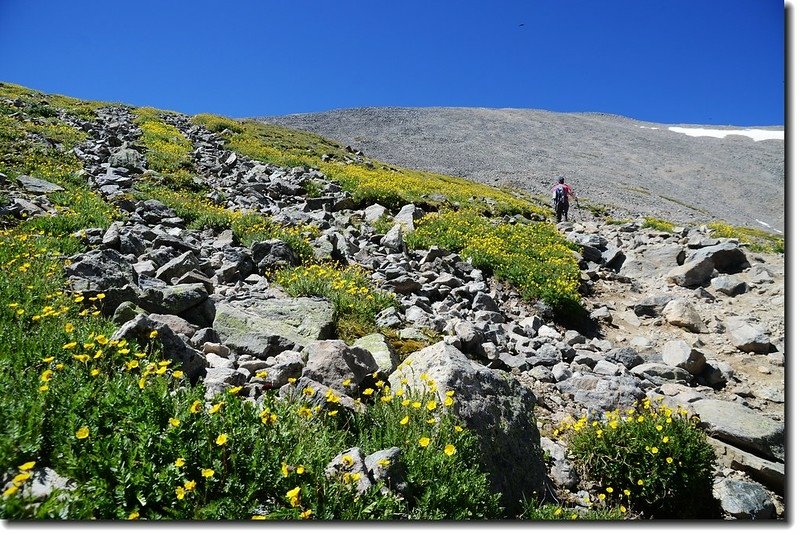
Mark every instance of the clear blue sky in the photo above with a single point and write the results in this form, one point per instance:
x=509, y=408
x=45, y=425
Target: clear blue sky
x=670, y=61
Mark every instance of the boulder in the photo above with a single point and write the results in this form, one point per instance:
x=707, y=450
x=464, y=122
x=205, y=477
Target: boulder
x=407, y=216
x=652, y=306
x=742, y=427
x=174, y=299
x=604, y=393
x=273, y=254
x=127, y=158
x=692, y=274
x=658, y=373
x=679, y=354
x=747, y=337
x=99, y=270
x=264, y=327
x=347, y=464
x=373, y=213
x=393, y=240
x=37, y=185
x=627, y=356
x=769, y=473
x=330, y=362
x=729, y=285
x=492, y=404
x=726, y=257
x=386, y=467
x=681, y=313
x=178, y=266
x=744, y=499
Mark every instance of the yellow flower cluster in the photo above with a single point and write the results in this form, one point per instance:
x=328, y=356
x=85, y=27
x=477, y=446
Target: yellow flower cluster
x=25, y=473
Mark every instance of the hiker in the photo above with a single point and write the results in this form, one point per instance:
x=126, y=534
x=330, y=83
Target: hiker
x=561, y=194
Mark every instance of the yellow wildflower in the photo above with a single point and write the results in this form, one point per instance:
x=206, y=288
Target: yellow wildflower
x=82, y=433
x=207, y=473
x=449, y=450
x=222, y=439
x=424, y=442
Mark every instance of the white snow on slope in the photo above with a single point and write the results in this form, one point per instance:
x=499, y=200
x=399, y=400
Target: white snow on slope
x=756, y=134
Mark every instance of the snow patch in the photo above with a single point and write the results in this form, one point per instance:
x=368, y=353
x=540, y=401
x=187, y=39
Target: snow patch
x=755, y=134
x=768, y=226
x=650, y=127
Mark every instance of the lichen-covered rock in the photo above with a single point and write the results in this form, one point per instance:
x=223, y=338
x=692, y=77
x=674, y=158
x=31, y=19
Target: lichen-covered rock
x=264, y=327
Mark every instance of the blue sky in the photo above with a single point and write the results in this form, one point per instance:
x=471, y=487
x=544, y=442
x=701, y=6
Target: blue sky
x=669, y=61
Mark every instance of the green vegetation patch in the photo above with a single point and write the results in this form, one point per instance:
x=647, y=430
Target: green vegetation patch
x=533, y=257
x=355, y=301
x=169, y=152
x=755, y=239
x=33, y=140
x=661, y=225
x=652, y=459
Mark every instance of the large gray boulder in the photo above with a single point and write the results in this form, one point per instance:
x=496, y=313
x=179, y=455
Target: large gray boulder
x=747, y=337
x=743, y=427
x=407, y=216
x=178, y=266
x=726, y=257
x=264, y=327
x=495, y=406
x=174, y=299
x=127, y=158
x=103, y=271
x=99, y=270
x=692, y=273
x=273, y=254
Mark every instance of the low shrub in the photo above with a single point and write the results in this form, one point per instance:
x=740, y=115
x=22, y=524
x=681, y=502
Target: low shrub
x=653, y=458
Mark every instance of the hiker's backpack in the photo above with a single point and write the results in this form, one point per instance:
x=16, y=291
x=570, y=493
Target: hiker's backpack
x=559, y=196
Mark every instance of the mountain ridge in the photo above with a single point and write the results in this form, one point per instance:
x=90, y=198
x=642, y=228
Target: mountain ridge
x=634, y=167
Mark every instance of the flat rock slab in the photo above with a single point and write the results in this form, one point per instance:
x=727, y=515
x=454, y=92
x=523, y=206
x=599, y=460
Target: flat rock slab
x=736, y=424
x=37, y=185
x=265, y=327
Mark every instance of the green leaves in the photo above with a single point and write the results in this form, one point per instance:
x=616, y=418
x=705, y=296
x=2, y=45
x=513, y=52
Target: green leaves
x=655, y=456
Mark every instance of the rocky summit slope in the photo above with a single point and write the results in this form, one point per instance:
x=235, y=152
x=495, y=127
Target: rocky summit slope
x=635, y=167
x=678, y=315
